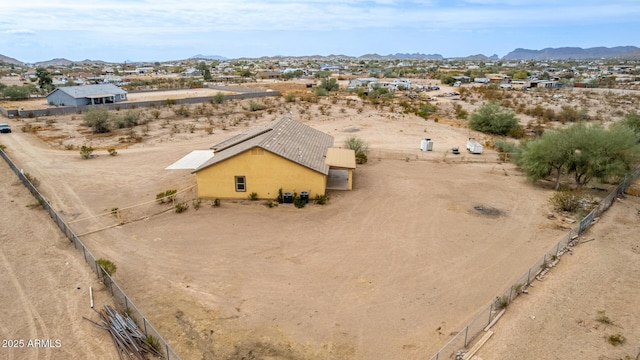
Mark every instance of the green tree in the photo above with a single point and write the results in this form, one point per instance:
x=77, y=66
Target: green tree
x=494, y=119
x=204, y=70
x=45, y=80
x=586, y=152
x=330, y=84
x=97, y=118
x=17, y=92
x=447, y=79
x=632, y=121
x=322, y=74
x=520, y=75
x=547, y=154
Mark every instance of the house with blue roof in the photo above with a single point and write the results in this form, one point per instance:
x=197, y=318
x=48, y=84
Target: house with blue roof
x=86, y=95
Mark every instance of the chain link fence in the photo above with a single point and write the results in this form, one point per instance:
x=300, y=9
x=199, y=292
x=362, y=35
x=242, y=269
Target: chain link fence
x=153, y=336
x=482, y=320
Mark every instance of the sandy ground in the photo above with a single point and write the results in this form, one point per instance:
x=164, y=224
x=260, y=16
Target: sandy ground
x=563, y=316
x=389, y=270
x=45, y=285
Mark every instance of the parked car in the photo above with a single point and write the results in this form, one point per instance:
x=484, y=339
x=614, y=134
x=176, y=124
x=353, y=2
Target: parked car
x=5, y=128
x=455, y=151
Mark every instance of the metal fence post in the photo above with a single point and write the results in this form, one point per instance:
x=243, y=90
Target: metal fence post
x=167, y=347
x=144, y=322
x=466, y=333
x=126, y=303
x=558, y=247
x=529, y=277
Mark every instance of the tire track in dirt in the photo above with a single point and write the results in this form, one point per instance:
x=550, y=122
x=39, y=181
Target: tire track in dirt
x=37, y=327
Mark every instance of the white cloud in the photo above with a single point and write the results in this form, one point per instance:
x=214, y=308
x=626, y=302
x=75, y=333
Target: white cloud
x=19, y=32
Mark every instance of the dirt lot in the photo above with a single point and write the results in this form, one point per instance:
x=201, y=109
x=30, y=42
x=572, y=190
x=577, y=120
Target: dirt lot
x=388, y=270
x=592, y=295
x=45, y=285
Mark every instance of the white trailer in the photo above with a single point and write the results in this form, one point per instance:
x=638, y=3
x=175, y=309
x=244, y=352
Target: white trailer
x=473, y=146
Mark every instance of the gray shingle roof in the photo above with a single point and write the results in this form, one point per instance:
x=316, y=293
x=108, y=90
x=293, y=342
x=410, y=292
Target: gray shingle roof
x=287, y=138
x=83, y=91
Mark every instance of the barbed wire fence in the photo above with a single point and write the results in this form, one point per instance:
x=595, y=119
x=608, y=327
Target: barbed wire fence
x=152, y=334
x=483, y=320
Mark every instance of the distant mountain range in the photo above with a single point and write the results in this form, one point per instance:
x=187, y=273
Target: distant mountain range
x=574, y=53
x=416, y=56
x=517, y=54
x=208, y=57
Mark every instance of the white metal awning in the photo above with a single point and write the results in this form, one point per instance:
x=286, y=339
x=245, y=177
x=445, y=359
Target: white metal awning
x=192, y=160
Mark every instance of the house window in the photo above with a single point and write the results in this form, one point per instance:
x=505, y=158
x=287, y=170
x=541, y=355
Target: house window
x=123, y=96
x=241, y=184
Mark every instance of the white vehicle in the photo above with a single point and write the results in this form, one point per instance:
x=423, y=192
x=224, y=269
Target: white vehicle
x=457, y=83
x=473, y=146
x=505, y=86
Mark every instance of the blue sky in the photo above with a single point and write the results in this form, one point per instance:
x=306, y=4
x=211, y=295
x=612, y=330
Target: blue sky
x=149, y=30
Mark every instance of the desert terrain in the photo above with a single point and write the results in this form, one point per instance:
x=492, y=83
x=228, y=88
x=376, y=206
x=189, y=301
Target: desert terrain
x=45, y=285
x=590, y=296
x=389, y=270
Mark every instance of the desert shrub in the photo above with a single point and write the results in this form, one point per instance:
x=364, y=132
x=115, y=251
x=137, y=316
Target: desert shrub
x=253, y=196
x=460, y=112
x=280, y=198
x=86, y=151
x=196, y=203
x=112, y=151
x=426, y=110
x=299, y=203
x=321, y=199
x=506, y=149
x=603, y=318
x=155, y=113
x=97, y=118
x=360, y=147
x=218, y=98
x=129, y=119
x=28, y=128
x=32, y=179
x=108, y=266
x=502, y=302
x=216, y=202
x=181, y=207
x=153, y=342
x=269, y=203
x=256, y=106
x=319, y=91
x=290, y=97
x=168, y=195
x=616, y=339
x=170, y=102
x=567, y=200
x=494, y=119
x=182, y=111
x=571, y=114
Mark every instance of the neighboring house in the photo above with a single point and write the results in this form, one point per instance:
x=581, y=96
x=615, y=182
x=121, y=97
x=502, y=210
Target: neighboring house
x=283, y=154
x=406, y=83
x=361, y=82
x=191, y=72
x=86, y=95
